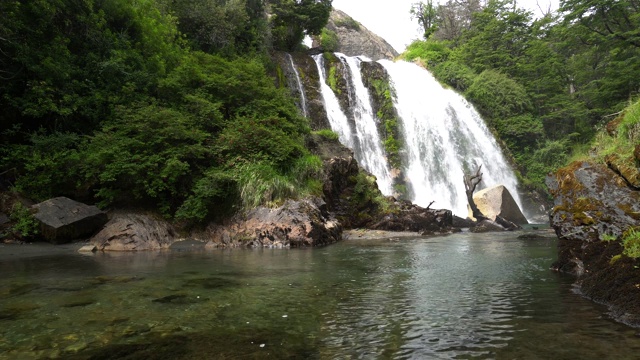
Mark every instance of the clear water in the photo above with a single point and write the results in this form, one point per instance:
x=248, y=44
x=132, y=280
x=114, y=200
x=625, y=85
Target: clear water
x=488, y=296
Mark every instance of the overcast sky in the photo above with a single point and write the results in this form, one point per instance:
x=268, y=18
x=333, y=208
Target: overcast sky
x=391, y=20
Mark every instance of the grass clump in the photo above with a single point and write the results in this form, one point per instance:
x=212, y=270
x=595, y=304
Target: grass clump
x=327, y=134
x=631, y=243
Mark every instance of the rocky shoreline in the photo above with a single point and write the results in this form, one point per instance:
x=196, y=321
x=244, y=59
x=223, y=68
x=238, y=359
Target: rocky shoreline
x=594, y=208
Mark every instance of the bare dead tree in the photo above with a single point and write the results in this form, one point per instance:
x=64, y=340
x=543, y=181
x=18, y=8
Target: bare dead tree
x=470, y=183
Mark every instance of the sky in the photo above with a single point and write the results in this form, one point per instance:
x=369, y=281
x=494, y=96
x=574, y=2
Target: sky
x=391, y=20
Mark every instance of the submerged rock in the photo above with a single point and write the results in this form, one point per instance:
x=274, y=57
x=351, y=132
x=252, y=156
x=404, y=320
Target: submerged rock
x=63, y=220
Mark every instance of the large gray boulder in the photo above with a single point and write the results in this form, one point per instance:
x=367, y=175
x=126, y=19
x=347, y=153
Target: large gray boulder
x=63, y=220
x=134, y=232
x=355, y=40
x=497, y=201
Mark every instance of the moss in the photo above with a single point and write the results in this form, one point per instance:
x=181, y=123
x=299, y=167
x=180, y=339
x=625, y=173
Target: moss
x=567, y=182
x=333, y=80
x=280, y=75
x=615, y=259
x=631, y=242
x=383, y=94
x=628, y=210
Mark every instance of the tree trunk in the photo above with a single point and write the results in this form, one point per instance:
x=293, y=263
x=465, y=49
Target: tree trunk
x=470, y=183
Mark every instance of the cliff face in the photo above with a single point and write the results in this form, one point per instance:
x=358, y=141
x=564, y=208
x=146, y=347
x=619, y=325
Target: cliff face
x=596, y=207
x=354, y=39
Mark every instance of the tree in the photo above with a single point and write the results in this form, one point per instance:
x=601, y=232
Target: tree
x=470, y=183
x=611, y=20
x=426, y=16
x=291, y=20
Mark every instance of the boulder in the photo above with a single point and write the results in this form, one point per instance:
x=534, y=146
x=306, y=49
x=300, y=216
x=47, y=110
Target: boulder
x=134, y=232
x=356, y=40
x=594, y=206
x=297, y=223
x=63, y=220
x=497, y=201
x=411, y=217
x=486, y=226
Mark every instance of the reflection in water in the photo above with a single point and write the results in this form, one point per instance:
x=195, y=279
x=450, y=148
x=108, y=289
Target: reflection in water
x=462, y=296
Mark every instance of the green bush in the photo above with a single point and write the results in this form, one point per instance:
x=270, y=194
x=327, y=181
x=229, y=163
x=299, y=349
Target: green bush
x=327, y=134
x=431, y=51
x=631, y=243
x=498, y=96
x=329, y=40
x=455, y=74
x=25, y=225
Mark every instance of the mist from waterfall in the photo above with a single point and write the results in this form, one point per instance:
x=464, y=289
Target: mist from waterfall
x=444, y=138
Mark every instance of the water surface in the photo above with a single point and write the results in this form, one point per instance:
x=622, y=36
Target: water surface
x=462, y=296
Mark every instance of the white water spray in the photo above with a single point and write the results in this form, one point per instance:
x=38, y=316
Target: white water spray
x=303, y=99
x=337, y=119
x=370, y=154
x=444, y=136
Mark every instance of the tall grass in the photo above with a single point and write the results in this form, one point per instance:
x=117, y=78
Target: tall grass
x=262, y=184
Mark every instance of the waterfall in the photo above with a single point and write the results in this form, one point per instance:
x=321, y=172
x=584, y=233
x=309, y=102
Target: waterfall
x=337, y=119
x=303, y=99
x=444, y=137
x=370, y=154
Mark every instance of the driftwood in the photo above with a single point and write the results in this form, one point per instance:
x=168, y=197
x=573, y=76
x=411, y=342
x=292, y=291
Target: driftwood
x=470, y=183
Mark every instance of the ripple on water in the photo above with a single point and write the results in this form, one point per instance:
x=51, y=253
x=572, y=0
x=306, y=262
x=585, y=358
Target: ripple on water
x=457, y=297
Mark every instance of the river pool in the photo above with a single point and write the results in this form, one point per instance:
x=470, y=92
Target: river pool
x=481, y=296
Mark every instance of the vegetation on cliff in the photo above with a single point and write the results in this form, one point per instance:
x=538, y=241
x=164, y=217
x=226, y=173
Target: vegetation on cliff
x=544, y=85
x=153, y=103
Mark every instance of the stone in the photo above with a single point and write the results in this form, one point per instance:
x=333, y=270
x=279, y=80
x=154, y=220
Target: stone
x=486, y=226
x=297, y=223
x=356, y=40
x=593, y=205
x=88, y=249
x=63, y=220
x=3, y=219
x=134, y=232
x=497, y=201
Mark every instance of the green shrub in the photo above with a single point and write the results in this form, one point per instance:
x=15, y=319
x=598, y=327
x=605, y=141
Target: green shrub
x=631, y=243
x=498, y=96
x=432, y=52
x=329, y=40
x=454, y=74
x=25, y=225
x=327, y=134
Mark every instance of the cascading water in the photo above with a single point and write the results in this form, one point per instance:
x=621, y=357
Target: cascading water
x=370, y=154
x=444, y=136
x=337, y=119
x=303, y=99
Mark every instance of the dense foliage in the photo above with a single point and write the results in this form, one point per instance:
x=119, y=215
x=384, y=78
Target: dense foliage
x=544, y=85
x=153, y=103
